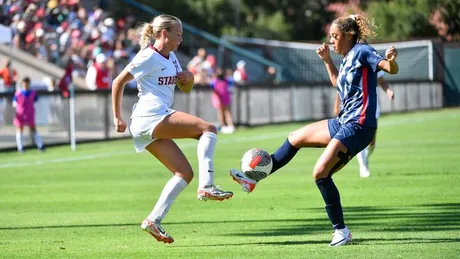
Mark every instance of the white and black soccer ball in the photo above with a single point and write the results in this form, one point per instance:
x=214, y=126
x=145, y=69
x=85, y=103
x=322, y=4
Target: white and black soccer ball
x=256, y=164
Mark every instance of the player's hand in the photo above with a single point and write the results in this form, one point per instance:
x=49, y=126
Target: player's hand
x=391, y=53
x=323, y=52
x=390, y=94
x=185, y=76
x=120, y=125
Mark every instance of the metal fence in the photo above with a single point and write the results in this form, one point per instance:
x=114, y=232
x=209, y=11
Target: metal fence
x=252, y=105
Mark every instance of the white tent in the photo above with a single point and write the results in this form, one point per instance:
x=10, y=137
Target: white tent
x=5, y=34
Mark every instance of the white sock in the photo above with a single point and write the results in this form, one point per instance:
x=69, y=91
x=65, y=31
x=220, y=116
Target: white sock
x=362, y=159
x=38, y=140
x=19, y=141
x=205, y=151
x=172, y=189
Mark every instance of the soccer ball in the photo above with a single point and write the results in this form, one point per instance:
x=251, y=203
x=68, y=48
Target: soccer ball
x=256, y=164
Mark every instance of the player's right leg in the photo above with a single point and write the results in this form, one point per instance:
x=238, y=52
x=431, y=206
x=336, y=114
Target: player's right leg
x=168, y=153
x=183, y=125
x=312, y=135
x=19, y=138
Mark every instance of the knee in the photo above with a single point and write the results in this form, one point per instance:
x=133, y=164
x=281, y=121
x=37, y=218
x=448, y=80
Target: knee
x=319, y=172
x=210, y=128
x=294, y=139
x=186, y=175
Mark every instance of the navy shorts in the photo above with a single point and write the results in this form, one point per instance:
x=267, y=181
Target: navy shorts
x=354, y=136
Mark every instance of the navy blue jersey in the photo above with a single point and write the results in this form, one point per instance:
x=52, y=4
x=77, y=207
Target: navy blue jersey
x=357, y=85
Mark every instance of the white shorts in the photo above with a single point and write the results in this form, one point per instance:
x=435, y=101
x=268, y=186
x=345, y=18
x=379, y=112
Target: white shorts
x=141, y=129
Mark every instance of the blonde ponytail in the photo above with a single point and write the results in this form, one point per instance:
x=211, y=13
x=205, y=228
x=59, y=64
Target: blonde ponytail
x=147, y=36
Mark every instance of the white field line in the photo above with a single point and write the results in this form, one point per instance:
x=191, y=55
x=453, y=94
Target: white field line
x=132, y=152
x=277, y=135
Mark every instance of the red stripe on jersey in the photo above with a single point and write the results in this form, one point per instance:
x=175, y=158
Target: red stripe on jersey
x=156, y=50
x=364, y=79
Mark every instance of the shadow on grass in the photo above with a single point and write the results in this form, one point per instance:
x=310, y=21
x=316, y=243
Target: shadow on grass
x=360, y=242
x=424, y=217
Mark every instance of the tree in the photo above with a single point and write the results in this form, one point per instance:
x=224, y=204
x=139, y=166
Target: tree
x=446, y=18
x=402, y=19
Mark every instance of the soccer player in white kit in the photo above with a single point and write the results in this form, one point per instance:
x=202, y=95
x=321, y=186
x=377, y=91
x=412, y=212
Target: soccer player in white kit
x=363, y=156
x=154, y=125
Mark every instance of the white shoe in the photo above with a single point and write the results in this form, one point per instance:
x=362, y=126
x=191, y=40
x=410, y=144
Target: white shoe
x=364, y=172
x=227, y=129
x=341, y=237
x=247, y=184
x=156, y=231
x=213, y=193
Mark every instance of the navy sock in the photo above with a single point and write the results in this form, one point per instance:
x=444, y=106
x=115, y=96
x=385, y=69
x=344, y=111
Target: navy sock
x=283, y=155
x=331, y=198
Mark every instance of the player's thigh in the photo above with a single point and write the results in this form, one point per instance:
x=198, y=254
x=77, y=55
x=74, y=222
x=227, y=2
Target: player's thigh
x=334, y=157
x=182, y=125
x=171, y=156
x=312, y=135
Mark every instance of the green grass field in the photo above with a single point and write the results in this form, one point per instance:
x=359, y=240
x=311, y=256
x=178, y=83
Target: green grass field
x=90, y=204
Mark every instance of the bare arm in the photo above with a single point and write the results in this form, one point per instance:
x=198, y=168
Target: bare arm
x=337, y=105
x=385, y=87
x=324, y=54
x=118, y=85
x=389, y=64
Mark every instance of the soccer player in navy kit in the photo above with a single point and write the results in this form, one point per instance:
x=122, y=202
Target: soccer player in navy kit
x=354, y=128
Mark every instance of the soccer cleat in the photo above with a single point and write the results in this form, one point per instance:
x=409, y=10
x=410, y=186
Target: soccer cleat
x=156, y=231
x=213, y=193
x=341, y=237
x=247, y=184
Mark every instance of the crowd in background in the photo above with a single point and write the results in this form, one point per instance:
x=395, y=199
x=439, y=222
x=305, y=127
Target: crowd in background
x=60, y=31
x=97, y=45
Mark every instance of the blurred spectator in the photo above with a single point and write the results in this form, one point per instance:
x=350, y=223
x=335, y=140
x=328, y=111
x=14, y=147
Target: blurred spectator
x=221, y=101
x=24, y=101
x=195, y=65
x=50, y=84
x=240, y=75
x=210, y=65
x=270, y=77
x=9, y=76
x=98, y=75
x=229, y=78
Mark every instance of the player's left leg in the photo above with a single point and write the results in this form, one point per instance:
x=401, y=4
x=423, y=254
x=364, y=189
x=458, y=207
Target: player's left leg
x=19, y=138
x=37, y=138
x=334, y=157
x=348, y=140
x=183, y=125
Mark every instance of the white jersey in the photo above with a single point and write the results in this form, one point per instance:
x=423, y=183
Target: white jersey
x=156, y=77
